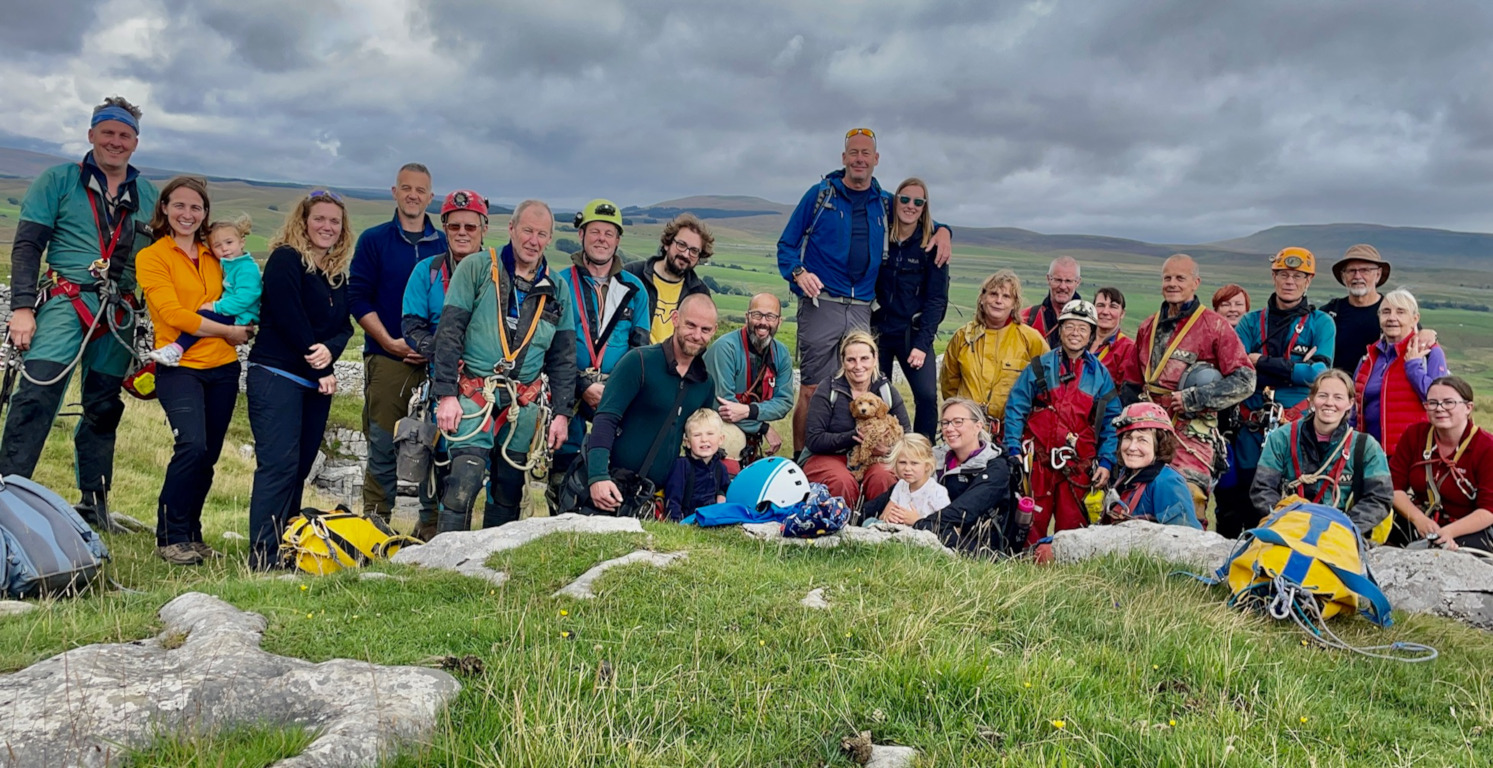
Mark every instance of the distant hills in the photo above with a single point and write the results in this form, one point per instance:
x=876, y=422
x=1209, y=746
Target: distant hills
x=1428, y=247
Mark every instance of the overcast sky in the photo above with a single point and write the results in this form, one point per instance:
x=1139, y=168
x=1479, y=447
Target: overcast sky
x=1171, y=121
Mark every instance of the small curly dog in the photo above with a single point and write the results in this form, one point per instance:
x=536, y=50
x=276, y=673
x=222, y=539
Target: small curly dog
x=879, y=430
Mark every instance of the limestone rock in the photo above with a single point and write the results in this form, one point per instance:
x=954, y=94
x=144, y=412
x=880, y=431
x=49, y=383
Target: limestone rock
x=1451, y=584
x=581, y=587
x=879, y=533
x=206, y=671
x=815, y=599
x=246, y=450
x=130, y=524
x=467, y=552
x=378, y=576
x=1173, y=543
x=883, y=756
x=15, y=607
x=234, y=536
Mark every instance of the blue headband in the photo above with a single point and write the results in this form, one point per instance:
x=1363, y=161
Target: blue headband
x=113, y=112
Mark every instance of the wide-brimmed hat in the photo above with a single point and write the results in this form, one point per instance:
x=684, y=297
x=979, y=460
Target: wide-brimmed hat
x=1362, y=252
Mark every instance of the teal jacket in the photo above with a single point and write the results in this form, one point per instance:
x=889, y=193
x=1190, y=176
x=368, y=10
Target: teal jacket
x=726, y=361
x=1362, y=489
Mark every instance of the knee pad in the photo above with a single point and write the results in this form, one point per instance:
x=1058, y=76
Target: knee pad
x=104, y=417
x=464, y=483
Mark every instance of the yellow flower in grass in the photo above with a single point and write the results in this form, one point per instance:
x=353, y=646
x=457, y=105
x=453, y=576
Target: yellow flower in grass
x=1059, y=724
x=1303, y=719
x=304, y=587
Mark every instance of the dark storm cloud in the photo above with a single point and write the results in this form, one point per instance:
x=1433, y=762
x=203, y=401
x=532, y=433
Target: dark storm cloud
x=1164, y=120
x=45, y=26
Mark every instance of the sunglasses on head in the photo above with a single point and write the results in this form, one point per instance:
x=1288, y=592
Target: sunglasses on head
x=917, y=202
x=325, y=193
x=860, y=132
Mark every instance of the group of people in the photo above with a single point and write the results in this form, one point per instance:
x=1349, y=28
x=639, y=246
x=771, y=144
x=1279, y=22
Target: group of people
x=599, y=373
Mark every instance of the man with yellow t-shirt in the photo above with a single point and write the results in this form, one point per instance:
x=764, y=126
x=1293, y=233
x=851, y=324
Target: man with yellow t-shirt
x=670, y=275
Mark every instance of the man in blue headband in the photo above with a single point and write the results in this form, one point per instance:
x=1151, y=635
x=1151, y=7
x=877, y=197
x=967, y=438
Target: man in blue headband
x=78, y=314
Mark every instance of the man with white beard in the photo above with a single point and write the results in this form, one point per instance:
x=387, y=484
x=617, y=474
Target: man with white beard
x=1362, y=270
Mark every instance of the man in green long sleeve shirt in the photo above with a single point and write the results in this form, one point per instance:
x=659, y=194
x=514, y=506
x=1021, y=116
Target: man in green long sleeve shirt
x=637, y=407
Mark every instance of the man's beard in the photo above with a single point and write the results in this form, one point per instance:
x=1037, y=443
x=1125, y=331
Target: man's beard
x=1359, y=292
x=759, y=343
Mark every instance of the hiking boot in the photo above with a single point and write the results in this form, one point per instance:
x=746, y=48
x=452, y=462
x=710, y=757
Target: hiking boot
x=208, y=553
x=94, y=509
x=180, y=553
x=425, y=531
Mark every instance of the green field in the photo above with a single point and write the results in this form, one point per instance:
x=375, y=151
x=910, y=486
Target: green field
x=745, y=258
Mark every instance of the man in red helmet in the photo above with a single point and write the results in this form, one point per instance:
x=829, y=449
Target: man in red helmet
x=464, y=220
x=382, y=262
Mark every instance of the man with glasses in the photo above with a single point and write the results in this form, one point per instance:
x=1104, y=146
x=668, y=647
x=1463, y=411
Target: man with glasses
x=670, y=276
x=1290, y=342
x=1363, y=272
x=464, y=220
x=611, y=316
x=753, y=377
x=382, y=262
x=1062, y=287
x=84, y=216
x=830, y=252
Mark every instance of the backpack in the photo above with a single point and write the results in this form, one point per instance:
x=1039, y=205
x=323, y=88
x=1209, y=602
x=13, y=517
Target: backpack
x=1305, y=559
x=45, y=547
x=818, y=515
x=322, y=542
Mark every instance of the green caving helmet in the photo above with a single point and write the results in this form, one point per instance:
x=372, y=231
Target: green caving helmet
x=599, y=210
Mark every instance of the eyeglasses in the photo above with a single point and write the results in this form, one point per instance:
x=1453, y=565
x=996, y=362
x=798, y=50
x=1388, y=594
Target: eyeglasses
x=1289, y=274
x=456, y=227
x=691, y=250
x=860, y=132
x=916, y=201
x=1361, y=270
x=1063, y=280
x=1443, y=405
x=956, y=422
x=325, y=193
x=760, y=316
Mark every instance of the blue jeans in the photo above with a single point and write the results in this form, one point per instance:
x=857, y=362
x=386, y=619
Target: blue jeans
x=288, y=421
x=199, y=405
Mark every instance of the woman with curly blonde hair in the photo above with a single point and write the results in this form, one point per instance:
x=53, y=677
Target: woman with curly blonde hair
x=986, y=354
x=303, y=329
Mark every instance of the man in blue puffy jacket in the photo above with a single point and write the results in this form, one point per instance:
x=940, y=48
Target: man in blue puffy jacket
x=830, y=252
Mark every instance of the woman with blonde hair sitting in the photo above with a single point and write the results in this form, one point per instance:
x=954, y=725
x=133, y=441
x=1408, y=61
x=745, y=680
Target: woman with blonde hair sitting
x=986, y=354
x=832, y=432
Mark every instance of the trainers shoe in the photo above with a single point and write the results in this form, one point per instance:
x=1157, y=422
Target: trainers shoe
x=180, y=553
x=167, y=355
x=208, y=553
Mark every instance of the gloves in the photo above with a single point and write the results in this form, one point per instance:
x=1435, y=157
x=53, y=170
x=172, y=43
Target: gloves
x=1013, y=462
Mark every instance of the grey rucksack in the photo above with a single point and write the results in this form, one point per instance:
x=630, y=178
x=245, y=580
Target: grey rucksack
x=45, y=547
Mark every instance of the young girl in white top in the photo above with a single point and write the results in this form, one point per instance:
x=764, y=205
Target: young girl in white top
x=916, y=494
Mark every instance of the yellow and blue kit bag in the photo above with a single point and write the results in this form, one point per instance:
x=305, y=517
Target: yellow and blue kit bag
x=323, y=542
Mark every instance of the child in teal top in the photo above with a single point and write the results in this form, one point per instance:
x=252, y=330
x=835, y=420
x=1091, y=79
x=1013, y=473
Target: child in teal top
x=242, y=285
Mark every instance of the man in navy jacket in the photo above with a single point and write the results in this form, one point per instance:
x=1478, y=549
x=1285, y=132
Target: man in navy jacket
x=381, y=265
x=830, y=252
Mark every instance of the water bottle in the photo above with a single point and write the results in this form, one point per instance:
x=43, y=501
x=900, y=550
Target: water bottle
x=1025, y=506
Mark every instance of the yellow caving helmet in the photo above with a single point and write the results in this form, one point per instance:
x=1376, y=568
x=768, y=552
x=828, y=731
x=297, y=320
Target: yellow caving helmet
x=1299, y=259
x=599, y=210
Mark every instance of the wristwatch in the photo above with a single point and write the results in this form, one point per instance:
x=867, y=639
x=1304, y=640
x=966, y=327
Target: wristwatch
x=798, y=270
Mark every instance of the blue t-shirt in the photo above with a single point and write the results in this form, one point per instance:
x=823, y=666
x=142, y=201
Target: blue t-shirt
x=860, y=233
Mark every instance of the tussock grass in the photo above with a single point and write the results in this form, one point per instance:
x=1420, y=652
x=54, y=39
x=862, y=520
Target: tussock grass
x=713, y=662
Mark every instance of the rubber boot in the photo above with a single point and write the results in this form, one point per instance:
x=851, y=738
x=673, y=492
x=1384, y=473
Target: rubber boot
x=94, y=509
x=462, y=487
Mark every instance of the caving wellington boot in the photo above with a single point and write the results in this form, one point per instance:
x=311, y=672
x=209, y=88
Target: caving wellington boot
x=94, y=509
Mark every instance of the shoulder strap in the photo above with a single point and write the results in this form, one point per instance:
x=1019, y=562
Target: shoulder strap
x=825, y=190
x=886, y=392
x=1360, y=449
x=1039, y=370
x=1096, y=414
x=668, y=427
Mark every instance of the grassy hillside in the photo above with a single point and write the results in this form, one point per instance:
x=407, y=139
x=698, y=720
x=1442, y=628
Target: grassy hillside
x=1418, y=245
x=713, y=662
x=746, y=247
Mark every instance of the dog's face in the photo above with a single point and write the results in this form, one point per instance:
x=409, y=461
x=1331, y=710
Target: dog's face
x=868, y=406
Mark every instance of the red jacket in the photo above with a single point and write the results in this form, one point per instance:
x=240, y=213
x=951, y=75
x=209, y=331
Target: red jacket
x=1118, y=355
x=1399, y=405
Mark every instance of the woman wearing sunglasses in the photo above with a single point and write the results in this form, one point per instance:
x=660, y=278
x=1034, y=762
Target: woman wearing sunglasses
x=1443, y=472
x=912, y=294
x=303, y=329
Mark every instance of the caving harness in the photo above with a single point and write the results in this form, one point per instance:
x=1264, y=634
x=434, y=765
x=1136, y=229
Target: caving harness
x=486, y=390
